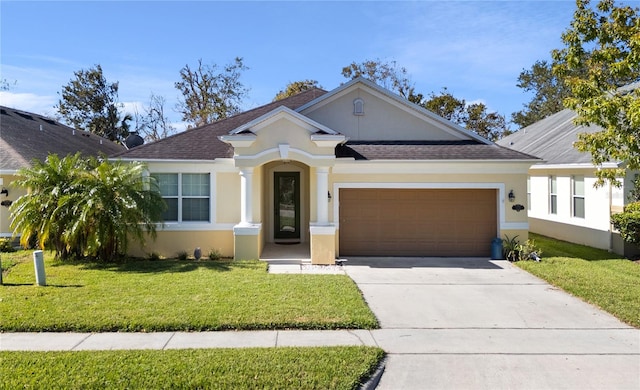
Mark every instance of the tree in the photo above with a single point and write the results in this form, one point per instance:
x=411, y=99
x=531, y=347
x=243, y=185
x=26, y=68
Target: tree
x=86, y=207
x=386, y=74
x=473, y=117
x=153, y=124
x=209, y=95
x=549, y=92
x=599, y=63
x=90, y=103
x=295, y=88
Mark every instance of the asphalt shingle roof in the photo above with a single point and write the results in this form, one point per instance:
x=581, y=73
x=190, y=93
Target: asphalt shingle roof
x=25, y=136
x=202, y=143
x=421, y=150
x=551, y=139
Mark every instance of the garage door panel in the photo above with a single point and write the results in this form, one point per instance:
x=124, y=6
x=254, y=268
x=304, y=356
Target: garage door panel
x=417, y=222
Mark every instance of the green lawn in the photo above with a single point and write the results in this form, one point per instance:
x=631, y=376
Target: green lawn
x=596, y=276
x=255, y=368
x=172, y=295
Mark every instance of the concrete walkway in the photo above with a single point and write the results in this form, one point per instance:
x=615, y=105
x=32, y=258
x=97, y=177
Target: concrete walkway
x=445, y=324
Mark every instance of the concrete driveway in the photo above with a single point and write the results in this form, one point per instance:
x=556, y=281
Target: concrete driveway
x=486, y=324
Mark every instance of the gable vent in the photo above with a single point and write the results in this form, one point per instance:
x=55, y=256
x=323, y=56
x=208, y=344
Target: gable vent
x=358, y=107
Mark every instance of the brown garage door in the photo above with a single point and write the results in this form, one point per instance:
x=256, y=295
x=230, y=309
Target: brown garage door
x=417, y=222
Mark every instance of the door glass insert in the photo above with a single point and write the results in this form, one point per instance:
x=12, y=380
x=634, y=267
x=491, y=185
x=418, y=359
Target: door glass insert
x=287, y=204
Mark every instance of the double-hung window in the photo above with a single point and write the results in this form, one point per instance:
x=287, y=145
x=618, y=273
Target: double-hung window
x=577, y=194
x=529, y=193
x=187, y=196
x=553, y=195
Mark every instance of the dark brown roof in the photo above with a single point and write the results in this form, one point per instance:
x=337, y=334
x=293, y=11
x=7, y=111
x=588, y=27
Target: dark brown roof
x=202, y=143
x=427, y=150
x=25, y=136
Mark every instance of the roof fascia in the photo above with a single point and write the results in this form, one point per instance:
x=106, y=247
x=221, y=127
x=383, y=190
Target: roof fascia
x=280, y=113
x=399, y=101
x=608, y=165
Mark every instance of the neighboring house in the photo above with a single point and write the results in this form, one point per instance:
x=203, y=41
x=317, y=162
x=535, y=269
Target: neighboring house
x=25, y=136
x=351, y=172
x=562, y=200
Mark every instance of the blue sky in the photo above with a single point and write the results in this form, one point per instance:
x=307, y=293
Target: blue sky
x=475, y=49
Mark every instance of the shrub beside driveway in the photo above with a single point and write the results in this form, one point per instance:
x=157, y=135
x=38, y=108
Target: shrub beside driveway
x=596, y=276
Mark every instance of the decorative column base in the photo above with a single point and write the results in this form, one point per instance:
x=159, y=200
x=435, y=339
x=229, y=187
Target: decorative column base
x=247, y=241
x=323, y=244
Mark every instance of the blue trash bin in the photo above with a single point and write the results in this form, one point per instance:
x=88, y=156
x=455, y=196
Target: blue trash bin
x=496, y=249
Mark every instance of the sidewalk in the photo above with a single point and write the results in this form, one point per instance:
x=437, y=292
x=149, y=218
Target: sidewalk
x=182, y=340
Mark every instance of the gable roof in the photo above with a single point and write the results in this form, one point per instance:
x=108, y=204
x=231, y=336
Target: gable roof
x=206, y=142
x=396, y=99
x=25, y=136
x=202, y=143
x=551, y=139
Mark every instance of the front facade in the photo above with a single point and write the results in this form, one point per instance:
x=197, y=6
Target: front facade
x=563, y=201
x=357, y=171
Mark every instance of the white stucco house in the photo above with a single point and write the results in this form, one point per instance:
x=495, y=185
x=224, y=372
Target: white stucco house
x=350, y=172
x=562, y=201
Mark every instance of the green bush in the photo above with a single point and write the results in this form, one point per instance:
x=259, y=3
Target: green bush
x=214, y=254
x=182, y=255
x=628, y=223
x=6, y=245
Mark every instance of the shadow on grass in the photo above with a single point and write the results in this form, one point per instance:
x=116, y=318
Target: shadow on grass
x=169, y=266
x=47, y=285
x=552, y=247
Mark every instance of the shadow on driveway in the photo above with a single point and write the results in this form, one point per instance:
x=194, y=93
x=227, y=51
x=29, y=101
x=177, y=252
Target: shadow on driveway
x=422, y=262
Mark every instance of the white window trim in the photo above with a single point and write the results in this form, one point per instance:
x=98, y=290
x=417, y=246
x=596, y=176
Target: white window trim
x=212, y=211
x=552, y=195
x=574, y=196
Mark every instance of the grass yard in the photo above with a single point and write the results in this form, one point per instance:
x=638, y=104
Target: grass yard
x=596, y=276
x=172, y=295
x=256, y=368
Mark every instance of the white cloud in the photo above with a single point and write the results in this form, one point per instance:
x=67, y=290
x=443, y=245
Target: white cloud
x=30, y=102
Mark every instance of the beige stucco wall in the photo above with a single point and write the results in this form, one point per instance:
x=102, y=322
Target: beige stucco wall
x=169, y=243
x=382, y=120
x=227, y=197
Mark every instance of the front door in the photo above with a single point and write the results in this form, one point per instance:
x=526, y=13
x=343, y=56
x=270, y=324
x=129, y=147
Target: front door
x=287, y=205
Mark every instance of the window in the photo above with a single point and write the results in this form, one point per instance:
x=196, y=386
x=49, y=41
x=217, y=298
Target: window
x=577, y=193
x=553, y=195
x=187, y=196
x=529, y=193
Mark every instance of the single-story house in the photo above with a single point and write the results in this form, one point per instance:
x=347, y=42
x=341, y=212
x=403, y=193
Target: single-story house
x=562, y=201
x=25, y=136
x=356, y=171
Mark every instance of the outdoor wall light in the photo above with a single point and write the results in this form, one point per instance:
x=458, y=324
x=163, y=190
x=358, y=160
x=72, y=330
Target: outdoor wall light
x=5, y=192
x=512, y=196
x=329, y=195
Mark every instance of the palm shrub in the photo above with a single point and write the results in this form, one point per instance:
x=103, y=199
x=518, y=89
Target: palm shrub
x=86, y=207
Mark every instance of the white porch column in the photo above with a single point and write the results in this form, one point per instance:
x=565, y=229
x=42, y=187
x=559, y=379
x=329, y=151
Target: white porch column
x=246, y=196
x=322, y=187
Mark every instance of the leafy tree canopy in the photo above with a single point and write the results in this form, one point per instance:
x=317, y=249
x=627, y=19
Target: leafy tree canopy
x=86, y=207
x=474, y=117
x=549, y=92
x=386, y=74
x=210, y=94
x=295, y=88
x=601, y=65
x=90, y=103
